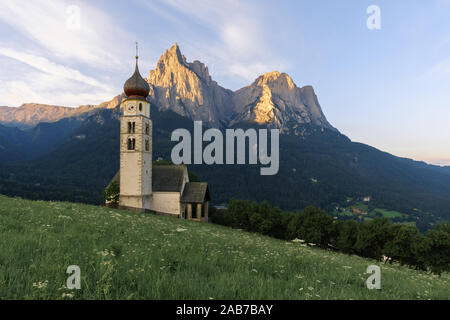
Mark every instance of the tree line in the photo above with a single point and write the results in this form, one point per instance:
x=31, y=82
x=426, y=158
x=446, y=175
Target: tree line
x=372, y=239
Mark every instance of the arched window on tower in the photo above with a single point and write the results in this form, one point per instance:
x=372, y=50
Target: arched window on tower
x=134, y=127
x=147, y=128
x=131, y=144
x=147, y=145
x=129, y=127
x=140, y=106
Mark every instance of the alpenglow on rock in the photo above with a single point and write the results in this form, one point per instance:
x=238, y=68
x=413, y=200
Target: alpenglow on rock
x=187, y=89
x=273, y=98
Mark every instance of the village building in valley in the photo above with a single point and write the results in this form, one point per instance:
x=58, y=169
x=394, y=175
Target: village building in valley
x=162, y=189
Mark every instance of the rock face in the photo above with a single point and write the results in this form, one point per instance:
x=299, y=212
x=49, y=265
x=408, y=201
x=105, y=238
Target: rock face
x=187, y=89
x=275, y=100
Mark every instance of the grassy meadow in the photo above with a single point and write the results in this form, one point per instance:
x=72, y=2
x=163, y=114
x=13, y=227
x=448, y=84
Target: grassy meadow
x=129, y=255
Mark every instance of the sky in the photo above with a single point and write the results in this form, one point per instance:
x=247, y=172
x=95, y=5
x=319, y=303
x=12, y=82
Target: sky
x=388, y=87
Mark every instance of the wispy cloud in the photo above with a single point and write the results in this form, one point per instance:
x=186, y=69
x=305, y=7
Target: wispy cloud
x=43, y=64
x=438, y=71
x=40, y=87
x=240, y=41
x=45, y=22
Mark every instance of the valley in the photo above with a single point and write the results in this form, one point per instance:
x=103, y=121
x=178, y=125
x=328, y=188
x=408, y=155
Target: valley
x=75, y=157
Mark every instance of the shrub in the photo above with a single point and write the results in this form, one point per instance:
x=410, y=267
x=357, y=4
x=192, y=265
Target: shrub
x=112, y=194
x=347, y=233
x=400, y=243
x=437, y=257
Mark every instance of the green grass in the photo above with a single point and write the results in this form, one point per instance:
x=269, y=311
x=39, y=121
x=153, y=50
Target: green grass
x=128, y=255
x=389, y=213
x=346, y=214
x=361, y=206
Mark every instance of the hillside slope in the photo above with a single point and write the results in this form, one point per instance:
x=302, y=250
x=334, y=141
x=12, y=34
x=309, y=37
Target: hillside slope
x=317, y=167
x=128, y=255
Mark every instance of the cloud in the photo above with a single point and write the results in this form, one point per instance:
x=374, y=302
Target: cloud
x=438, y=71
x=47, y=24
x=46, y=82
x=44, y=65
x=234, y=40
x=47, y=89
x=43, y=61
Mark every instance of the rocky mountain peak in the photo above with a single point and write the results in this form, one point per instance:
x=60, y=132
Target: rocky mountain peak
x=174, y=61
x=274, y=99
x=173, y=57
x=275, y=78
x=187, y=88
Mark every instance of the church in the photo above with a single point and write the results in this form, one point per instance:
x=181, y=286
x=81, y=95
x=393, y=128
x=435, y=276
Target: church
x=161, y=189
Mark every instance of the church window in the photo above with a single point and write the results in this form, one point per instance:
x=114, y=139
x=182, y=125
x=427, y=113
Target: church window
x=147, y=145
x=129, y=127
x=147, y=128
x=131, y=143
x=133, y=127
x=140, y=106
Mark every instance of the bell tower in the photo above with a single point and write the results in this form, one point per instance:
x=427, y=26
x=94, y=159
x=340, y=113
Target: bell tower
x=136, y=145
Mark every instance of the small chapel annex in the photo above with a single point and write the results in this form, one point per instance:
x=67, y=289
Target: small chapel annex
x=161, y=189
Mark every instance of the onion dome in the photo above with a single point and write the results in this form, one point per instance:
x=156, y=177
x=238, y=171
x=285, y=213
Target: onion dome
x=136, y=85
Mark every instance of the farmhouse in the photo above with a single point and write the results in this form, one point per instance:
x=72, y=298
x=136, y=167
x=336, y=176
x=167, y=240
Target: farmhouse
x=163, y=189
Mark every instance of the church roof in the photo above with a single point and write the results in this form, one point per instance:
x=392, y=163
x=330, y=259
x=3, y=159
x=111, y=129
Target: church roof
x=195, y=192
x=168, y=178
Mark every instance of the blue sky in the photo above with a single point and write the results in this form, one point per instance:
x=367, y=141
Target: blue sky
x=389, y=88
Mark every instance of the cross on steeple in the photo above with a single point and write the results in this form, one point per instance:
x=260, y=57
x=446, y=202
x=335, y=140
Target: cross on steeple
x=137, y=52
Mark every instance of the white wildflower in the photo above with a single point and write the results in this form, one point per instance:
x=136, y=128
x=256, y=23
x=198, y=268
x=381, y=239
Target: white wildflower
x=40, y=285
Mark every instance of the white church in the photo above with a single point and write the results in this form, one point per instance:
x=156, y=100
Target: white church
x=161, y=189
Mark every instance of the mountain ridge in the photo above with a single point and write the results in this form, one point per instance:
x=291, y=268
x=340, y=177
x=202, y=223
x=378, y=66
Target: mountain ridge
x=188, y=89
x=320, y=167
x=318, y=164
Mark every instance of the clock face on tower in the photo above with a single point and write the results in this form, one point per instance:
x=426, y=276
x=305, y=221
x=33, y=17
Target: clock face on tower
x=131, y=108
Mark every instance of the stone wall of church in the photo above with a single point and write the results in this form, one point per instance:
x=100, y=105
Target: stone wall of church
x=131, y=202
x=166, y=202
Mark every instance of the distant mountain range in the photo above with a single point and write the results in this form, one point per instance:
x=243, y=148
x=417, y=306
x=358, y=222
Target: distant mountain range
x=72, y=153
x=187, y=89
